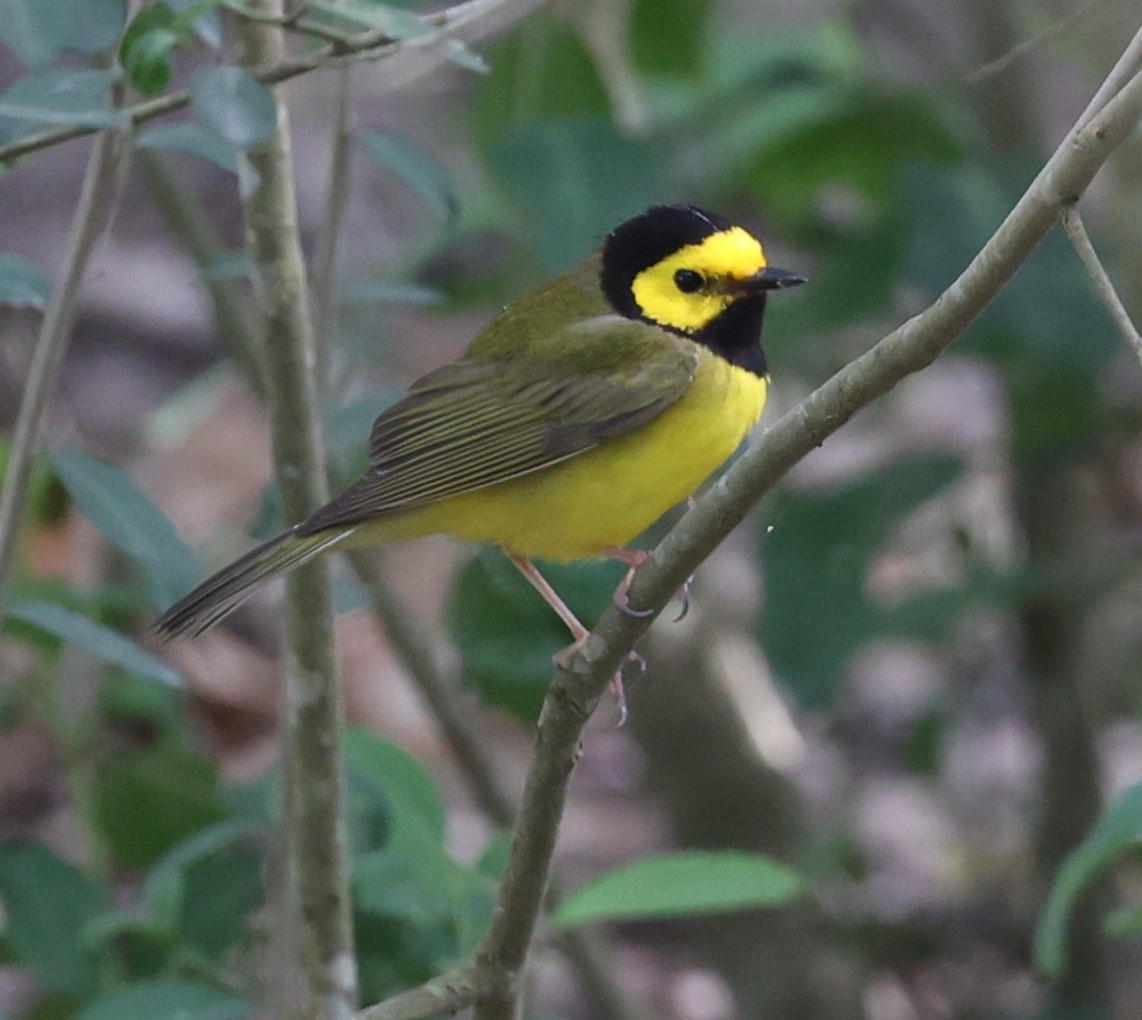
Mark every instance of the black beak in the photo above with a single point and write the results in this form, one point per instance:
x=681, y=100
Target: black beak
x=770, y=278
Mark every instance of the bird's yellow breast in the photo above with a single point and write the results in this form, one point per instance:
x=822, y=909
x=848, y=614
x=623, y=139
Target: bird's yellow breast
x=609, y=494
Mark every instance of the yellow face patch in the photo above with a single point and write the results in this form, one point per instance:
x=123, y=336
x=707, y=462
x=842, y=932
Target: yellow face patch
x=718, y=261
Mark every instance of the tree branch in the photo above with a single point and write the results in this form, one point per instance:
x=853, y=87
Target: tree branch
x=442, y=996
x=471, y=19
x=1073, y=224
x=316, y=843
x=295, y=22
x=101, y=184
x=574, y=695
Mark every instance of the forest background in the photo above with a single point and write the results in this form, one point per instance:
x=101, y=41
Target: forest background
x=888, y=765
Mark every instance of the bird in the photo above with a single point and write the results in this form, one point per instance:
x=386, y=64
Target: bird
x=574, y=420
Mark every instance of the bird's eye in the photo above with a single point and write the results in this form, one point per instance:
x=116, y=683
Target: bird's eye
x=688, y=281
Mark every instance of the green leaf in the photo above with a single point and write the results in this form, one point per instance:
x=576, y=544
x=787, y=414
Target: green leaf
x=1119, y=828
x=400, y=867
x=125, y=515
x=48, y=903
x=411, y=801
x=192, y=138
x=166, y=885
x=417, y=168
x=240, y=109
x=221, y=891
x=22, y=283
x=152, y=799
x=542, y=73
x=37, y=30
x=107, y=644
x=666, y=36
x=573, y=181
x=172, y=1000
x=415, y=887
x=678, y=884
x=58, y=97
x=145, y=51
x=29, y=34
x=816, y=559
x=856, y=137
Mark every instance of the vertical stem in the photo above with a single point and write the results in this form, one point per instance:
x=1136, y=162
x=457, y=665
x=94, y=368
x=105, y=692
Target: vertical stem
x=336, y=196
x=105, y=171
x=316, y=865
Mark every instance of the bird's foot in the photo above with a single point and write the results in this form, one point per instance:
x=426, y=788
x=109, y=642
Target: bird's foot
x=635, y=558
x=618, y=689
x=562, y=660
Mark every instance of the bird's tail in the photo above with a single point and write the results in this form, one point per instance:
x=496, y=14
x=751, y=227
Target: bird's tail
x=225, y=591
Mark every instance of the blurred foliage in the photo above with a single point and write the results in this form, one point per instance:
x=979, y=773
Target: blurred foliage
x=816, y=561
x=886, y=189
x=1118, y=830
x=674, y=885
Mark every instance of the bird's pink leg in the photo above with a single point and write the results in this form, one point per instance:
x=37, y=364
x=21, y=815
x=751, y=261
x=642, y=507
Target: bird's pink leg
x=551, y=597
x=578, y=631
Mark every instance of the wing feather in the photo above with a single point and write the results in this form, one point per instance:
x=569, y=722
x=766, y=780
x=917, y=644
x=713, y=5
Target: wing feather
x=476, y=423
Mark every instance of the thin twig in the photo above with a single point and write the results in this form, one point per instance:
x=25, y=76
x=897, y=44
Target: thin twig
x=573, y=695
x=472, y=16
x=1032, y=42
x=292, y=22
x=101, y=184
x=336, y=200
x=1073, y=224
x=316, y=841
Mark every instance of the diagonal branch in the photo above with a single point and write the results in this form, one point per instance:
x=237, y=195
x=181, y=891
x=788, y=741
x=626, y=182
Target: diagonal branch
x=573, y=695
x=1080, y=240
x=105, y=172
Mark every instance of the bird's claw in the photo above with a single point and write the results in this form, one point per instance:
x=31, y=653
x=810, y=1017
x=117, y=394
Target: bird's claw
x=620, y=691
x=620, y=599
x=683, y=596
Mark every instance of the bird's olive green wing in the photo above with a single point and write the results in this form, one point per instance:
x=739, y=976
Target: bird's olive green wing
x=478, y=422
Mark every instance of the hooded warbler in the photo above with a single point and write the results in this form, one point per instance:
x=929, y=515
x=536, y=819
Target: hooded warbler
x=571, y=423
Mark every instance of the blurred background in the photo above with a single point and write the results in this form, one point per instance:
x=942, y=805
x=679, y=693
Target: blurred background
x=912, y=674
